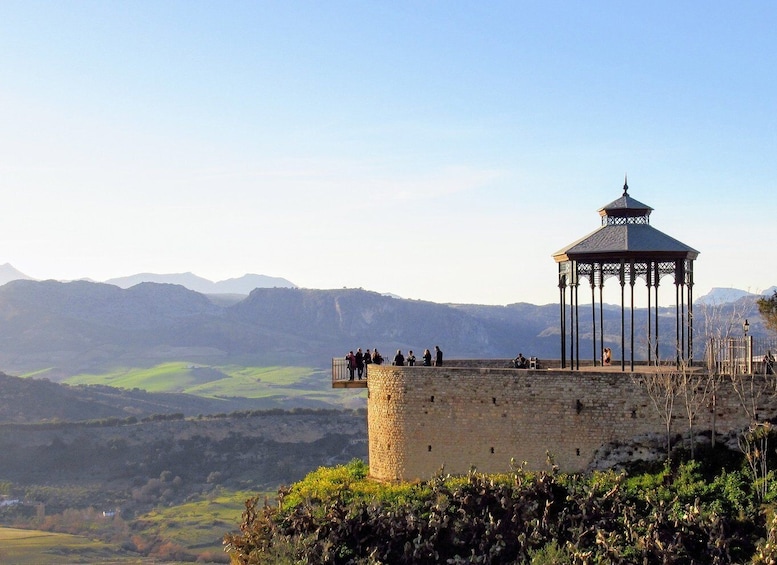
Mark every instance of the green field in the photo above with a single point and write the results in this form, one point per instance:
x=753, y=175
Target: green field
x=198, y=526
x=33, y=547
x=223, y=381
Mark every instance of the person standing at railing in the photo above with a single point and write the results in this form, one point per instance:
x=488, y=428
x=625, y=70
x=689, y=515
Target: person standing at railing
x=351, y=359
x=427, y=358
x=359, y=363
x=367, y=363
x=399, y=359
x=410, y=358
x=438, y=356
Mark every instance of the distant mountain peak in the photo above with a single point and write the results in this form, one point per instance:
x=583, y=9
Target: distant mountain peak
x=241, y=285
x=719, y=295
x=9, y=273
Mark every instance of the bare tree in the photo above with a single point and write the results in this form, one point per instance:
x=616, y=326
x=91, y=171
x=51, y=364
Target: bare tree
x=666, y=384
x=720, y=323
x=694, y=389
x=661, y=387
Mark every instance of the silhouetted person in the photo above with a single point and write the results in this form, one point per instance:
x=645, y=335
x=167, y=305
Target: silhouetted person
x=399, y=359
x=769, y=363
x=367, y=363
x=410, y=358
x=437, y=356
x=427, y=358
x=351, y=359
x=359, y=363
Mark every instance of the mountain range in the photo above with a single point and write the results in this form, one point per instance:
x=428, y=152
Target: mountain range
x=80, y=326
x=236, y=286
x=245, y=284
x=58, y=329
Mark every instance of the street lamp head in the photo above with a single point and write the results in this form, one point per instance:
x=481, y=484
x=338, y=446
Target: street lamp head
x=746, y=327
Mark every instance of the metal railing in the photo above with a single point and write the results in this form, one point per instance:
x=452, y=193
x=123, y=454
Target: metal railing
x=341, y=373
x=740, y=355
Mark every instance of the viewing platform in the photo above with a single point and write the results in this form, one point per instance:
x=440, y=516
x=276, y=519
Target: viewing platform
x=341, y=377
x=726, y=356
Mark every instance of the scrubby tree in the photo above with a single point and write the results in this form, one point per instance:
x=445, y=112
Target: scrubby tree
x=754, y=443
x=767, y=307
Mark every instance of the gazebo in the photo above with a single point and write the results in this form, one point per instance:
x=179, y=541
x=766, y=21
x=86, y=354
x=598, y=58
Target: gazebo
x=626, y=248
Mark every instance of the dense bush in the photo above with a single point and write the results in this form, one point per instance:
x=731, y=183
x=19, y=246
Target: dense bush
x=676, y=515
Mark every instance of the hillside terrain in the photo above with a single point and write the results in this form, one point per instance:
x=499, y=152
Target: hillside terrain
x=59, y=330
x=74, y=455
x=255, y=450
x=27, y=400
x=64, y=329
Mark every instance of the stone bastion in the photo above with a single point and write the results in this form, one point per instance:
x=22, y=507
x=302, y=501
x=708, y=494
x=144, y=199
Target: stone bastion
x=422, y=419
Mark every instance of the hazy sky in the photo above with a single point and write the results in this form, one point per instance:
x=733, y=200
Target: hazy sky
x=436, y=150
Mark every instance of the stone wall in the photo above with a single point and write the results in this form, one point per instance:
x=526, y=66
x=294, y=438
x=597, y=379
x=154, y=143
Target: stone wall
x=421, y=419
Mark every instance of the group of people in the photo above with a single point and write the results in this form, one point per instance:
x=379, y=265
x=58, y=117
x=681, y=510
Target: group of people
x=410, y=360
x=358, y=362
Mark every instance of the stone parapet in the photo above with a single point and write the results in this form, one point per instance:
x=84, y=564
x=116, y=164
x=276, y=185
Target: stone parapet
x=422, y=419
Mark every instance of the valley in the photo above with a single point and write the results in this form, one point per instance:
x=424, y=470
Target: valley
x=147, y=479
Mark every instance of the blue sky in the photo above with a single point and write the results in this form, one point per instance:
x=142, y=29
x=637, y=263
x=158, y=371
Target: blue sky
x=437, y=150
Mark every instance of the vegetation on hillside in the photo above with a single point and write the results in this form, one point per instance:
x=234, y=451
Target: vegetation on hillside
x=685, y=513
x=156, y=486
x=767, y=307
x=180, y=387
x=33, y=547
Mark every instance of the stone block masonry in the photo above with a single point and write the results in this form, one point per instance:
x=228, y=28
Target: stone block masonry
x=422, y=419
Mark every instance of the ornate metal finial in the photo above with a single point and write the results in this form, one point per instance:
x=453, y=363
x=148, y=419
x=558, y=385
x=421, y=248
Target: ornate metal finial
x=625, y=185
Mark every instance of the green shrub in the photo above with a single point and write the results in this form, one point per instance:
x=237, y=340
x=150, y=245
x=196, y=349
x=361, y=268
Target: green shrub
x=339, y=516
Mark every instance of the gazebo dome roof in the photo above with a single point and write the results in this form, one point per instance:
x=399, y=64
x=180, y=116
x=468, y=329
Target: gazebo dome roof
x=625, y=233
x=625, y=206
x=629, y=241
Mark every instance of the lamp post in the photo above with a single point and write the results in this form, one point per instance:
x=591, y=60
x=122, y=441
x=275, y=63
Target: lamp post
x=748, y=348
